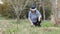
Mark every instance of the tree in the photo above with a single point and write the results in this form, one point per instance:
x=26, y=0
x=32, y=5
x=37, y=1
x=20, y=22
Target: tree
x=18, y=6
x=55, y=12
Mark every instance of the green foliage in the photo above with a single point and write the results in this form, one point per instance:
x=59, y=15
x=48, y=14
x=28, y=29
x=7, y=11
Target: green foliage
x=48, y=11
x=48, y=8
x=47, y=24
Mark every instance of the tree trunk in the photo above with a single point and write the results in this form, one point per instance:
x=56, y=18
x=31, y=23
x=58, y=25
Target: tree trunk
x=43, y=9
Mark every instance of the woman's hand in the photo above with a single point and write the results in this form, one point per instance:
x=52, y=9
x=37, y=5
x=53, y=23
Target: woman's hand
x=32, y=25
x=30, y=22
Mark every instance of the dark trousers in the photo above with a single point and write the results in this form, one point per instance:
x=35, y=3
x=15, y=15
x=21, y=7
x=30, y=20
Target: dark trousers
x=38, y=23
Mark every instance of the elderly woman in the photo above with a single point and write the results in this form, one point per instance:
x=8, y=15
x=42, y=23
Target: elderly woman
x=34, y=16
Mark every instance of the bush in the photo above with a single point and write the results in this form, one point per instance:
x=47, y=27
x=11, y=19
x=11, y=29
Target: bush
x=7, y=11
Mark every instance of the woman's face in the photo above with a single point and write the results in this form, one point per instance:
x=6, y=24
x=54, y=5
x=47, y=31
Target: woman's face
x=33, y=10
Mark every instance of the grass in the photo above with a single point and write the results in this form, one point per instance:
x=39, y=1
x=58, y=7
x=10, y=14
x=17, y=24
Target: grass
x=24, y=27
x=1, y=18
x=47, y=23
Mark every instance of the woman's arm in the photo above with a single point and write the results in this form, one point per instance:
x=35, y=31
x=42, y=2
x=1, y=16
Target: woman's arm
x=30, y=21
x=39, y=16
x=29, y=15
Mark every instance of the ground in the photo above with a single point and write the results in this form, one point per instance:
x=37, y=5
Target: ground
x=10, y=27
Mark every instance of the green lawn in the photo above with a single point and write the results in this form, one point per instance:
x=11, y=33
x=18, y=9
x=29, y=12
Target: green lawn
x=24, y=27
